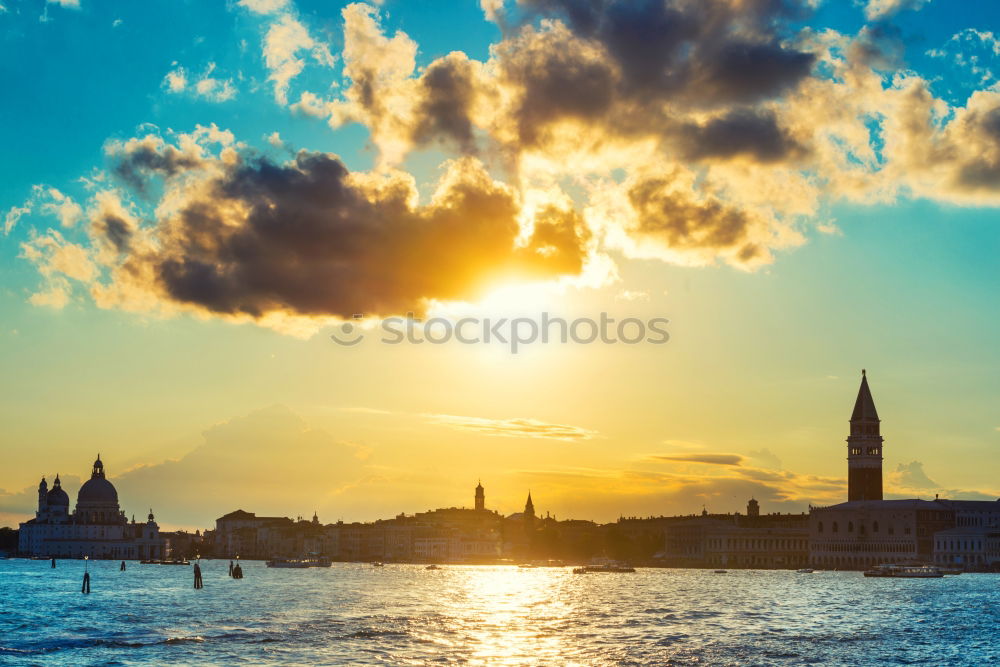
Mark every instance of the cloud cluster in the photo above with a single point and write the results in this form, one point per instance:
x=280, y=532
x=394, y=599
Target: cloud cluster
x=882, y=9
x=204, y=86
x=237, y=234
x=47, y=201
x=287, y=44
x=690, y=131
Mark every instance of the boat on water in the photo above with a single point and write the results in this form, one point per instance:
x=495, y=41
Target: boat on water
x=720, y=571
x=905, y=571
x=288, y=563
x=378, y=563
x=951, y=570
x=432, y=567
x=605, y=567
x=170, y=561
x=297, y=563
x=805, y=570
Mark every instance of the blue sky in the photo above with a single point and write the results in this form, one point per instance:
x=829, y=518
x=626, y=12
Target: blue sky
x=886, y=261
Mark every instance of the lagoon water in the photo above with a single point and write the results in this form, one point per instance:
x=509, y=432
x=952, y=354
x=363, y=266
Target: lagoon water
x=403, y=614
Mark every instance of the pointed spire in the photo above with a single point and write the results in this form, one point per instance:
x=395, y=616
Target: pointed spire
x=864, y=406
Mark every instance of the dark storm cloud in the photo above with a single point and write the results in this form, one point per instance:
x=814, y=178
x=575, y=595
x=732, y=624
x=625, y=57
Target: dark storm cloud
x=115, y=229
x=147, y=157
x=557, y=77
x=981, y=170
x=675, y=217
x=310, y=238
x=879, y=46
x=709, y=51
x=449, y=91
x=754, y=134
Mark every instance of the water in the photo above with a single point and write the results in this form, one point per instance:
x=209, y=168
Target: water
x=403, y=614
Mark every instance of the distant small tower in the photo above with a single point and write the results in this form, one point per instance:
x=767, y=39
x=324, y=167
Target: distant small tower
x=864, y=448
x=529, y=508
x=43, y=496
x=315, y=518
x=480, y=496
x=753, y=508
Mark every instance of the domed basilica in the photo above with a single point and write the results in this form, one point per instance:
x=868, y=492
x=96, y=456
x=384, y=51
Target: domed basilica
x=97, y=528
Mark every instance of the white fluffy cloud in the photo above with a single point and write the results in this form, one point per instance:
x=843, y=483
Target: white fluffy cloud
x=204, y=86
x=263, y=6
x=47, y=201
x=881, y=9
x=287, y=44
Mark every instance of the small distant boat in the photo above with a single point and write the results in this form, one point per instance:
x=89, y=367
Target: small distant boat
x=805, y=570
x=606, y=567
x=905, y=571
x=720, y=571
x=288, y=563
x=951, y=570
x=378, y=563
x=527, y=566
x=298, y=563
x=432, y=567
x=170, y=561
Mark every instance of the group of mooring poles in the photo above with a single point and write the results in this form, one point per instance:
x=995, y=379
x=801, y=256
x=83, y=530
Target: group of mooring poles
x=235, y=571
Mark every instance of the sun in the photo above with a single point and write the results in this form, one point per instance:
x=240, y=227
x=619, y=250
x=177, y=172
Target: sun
x=522, y=299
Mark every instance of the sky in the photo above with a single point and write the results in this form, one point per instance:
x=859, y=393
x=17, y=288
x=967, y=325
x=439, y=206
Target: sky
x=195, y=196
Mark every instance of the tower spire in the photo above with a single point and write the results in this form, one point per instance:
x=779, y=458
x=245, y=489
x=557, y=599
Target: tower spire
x=864, y=406
x=864, y=447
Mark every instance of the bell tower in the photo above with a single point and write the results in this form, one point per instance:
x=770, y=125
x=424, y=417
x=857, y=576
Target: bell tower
x=480, y=497
x=864, y=448
x=43, y=498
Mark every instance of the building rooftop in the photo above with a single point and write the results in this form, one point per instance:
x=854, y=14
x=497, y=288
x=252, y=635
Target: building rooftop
x=901, y=504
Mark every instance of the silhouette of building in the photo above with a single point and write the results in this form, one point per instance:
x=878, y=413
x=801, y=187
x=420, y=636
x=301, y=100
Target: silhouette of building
x=480, y=497
x=770, y=541
x=864, y=448
x=97, y=528
x=453, y=534
x=868, y=530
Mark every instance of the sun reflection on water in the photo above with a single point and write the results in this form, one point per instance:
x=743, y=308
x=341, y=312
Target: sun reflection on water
x=512, y=612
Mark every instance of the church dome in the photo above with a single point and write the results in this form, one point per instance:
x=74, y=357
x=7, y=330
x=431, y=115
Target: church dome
x=57, y=496
x=97, y=490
